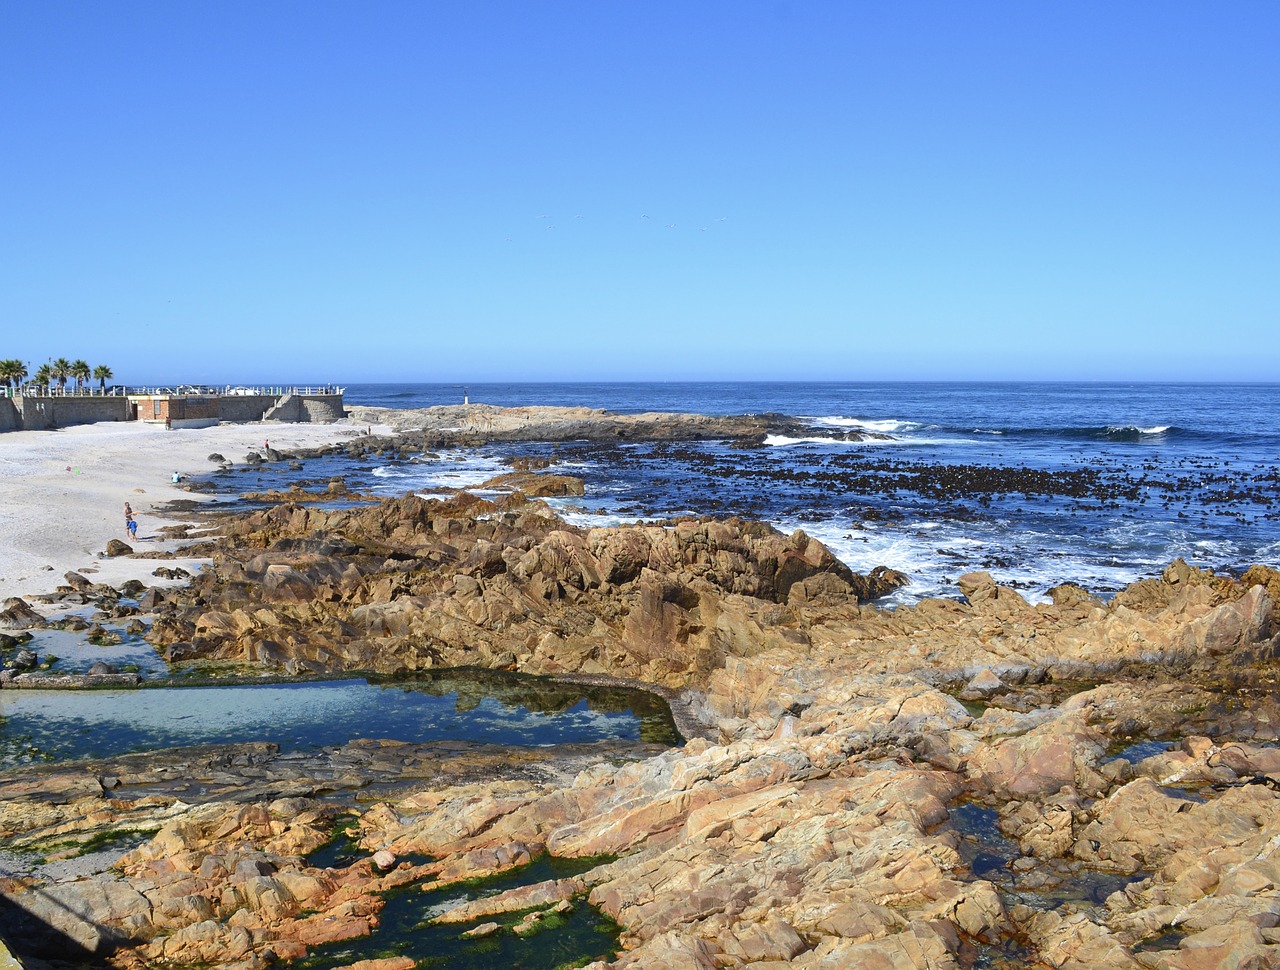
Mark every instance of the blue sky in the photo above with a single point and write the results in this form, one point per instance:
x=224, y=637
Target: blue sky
x=341, y=191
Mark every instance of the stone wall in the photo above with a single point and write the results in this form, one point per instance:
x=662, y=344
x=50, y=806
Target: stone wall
x=307, y=408
x=31, y=412
x=60, y=412
x=246, y=407
x=322, y=408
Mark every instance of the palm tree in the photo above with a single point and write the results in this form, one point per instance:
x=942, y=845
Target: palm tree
x=102, y=374
x=12, y=372
x=60, y=370
x=44, y=376
x=80, y=371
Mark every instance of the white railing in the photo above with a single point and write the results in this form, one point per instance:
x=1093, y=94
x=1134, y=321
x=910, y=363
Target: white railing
x=40, y=390
x=228, y=390
x=190, y=390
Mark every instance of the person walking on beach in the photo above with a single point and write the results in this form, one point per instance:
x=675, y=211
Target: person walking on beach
x=129, y=525
x=133, y=529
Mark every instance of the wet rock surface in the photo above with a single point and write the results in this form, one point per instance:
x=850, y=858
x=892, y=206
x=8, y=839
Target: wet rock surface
x=955, y=784
x=204, y=849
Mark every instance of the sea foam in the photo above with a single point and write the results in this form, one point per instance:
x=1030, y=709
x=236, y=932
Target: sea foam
x=882, y=426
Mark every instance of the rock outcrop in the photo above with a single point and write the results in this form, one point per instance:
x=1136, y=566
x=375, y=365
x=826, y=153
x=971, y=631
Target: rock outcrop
x=473, y=423
x=414, y=584
x=1075, y=783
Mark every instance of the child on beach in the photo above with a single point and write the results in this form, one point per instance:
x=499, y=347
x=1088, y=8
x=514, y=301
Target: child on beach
x=133, y=529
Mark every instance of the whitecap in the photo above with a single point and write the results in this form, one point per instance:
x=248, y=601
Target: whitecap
x=883, y=426
x=1137, y=429
x=1269, y=553
x=784, y=441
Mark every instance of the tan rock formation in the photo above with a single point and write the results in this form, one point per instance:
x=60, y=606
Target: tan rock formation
x=822, y=820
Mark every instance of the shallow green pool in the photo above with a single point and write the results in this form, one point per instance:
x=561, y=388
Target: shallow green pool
x=458, y=705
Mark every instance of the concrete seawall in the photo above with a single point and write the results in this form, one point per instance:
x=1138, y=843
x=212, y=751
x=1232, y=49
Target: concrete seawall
x=10, y=419
x=30, y=412
x=41, y=412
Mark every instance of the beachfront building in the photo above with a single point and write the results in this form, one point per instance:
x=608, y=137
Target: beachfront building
x=176, y=410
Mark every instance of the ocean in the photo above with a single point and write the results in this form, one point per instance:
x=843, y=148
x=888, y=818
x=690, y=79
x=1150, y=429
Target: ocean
x=1038, y=483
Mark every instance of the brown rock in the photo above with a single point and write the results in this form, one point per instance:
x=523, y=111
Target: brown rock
x=536, y=485
x=17, y=614
x=983, y=686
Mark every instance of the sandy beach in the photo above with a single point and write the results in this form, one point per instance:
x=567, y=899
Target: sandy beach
x=62, y=493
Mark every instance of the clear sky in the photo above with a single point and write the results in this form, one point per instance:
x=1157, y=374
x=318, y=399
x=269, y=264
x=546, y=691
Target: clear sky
x=308, y=190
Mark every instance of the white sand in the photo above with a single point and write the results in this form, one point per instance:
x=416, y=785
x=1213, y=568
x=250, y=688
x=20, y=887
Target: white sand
x=62, y=493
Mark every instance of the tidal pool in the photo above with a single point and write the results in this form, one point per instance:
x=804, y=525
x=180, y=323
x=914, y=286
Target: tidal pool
x=990, y=855
x=75, y=654
x=406, y=928
x=462, y=705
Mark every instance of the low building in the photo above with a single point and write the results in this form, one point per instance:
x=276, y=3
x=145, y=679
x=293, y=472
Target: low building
x=177, y=411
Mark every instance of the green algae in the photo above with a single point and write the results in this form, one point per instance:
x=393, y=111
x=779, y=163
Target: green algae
x=559, y=939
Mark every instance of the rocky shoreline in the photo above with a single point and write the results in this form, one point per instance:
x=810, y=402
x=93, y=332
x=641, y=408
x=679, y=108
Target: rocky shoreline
x=970, y=781
x=464, y=424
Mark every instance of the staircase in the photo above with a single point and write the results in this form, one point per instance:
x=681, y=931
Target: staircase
x=288, y=408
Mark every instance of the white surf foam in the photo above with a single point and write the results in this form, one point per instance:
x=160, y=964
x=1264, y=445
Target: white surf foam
x=784, y=441
x=1130, y=428
x=935, y=554
x=447, y=470
x=882, y=426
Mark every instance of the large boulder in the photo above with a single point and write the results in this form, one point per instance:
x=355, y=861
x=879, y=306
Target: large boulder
x=17, y=614
x=535, y=485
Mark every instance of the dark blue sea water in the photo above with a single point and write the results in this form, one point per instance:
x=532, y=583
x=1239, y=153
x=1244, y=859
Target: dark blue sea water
x=1097, y=484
